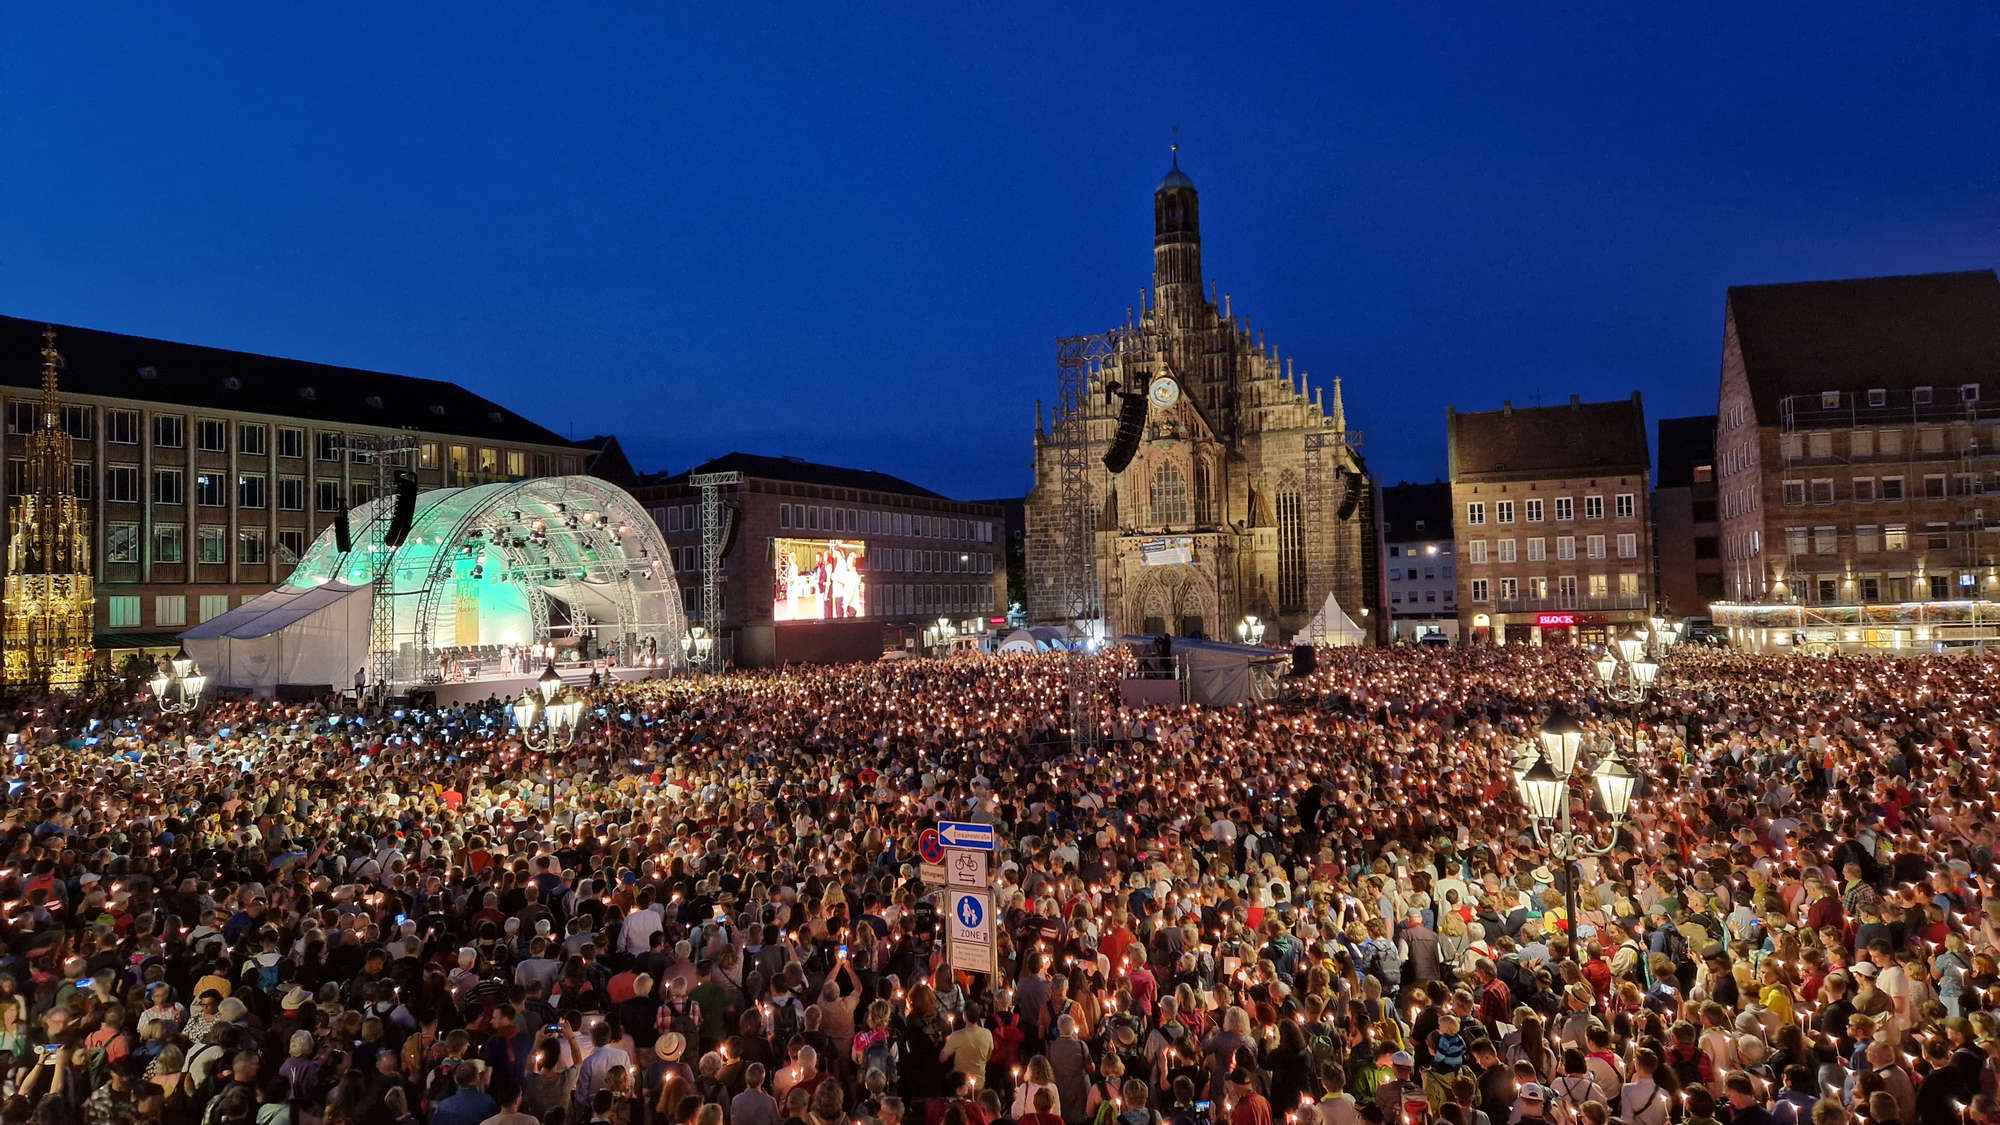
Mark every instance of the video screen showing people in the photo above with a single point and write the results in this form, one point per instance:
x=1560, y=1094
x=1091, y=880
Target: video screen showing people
x=819, y=580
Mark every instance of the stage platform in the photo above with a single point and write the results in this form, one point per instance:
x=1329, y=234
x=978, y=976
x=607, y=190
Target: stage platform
x=505, y=687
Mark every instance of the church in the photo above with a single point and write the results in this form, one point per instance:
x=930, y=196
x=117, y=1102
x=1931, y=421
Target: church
x=1188, y=482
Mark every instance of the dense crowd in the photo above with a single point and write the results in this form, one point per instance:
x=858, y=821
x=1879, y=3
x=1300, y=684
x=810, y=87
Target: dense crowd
x=1326, y=909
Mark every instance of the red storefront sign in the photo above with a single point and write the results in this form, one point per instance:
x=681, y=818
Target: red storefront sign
x=1555, y=620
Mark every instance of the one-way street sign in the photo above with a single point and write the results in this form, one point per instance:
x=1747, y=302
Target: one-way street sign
x=961, y=834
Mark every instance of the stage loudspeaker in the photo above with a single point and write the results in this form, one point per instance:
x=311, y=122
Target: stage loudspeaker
x=1131, y=427
x=729, y=526
x=1352, y=499
x=406, y=509
x=1305, y=660
x=342, y=537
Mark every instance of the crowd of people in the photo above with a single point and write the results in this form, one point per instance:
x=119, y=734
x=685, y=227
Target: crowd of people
x=710, y=911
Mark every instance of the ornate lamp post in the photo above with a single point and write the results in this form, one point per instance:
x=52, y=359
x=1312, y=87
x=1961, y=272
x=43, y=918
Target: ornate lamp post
x=696, y=644
x=178, y=686
x=557, y=709
x=1542, y=777
x=1626, y=677
x=1250, y=630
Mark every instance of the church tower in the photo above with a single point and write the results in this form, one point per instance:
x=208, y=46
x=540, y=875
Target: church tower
x=1177, y=248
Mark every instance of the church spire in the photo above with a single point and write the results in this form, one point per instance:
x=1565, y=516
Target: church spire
x=1177, y=244
x=1339, y=407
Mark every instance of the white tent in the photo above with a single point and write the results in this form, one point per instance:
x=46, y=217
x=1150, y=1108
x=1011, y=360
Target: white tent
x=288, y=636
x=1038, y=638
x=1331, y=628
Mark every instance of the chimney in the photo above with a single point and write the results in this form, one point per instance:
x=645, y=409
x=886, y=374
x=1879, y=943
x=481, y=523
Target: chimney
x=1575, y=402
x=1507, y=408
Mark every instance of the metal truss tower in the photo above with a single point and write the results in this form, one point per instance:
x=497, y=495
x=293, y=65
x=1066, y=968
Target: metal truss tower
x=711, y=486
x=389, y=452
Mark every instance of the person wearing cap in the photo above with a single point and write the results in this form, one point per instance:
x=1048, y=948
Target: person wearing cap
x=1245, y=1105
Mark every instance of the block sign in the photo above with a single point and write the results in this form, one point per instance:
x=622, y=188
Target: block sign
x=930, y=846
x=1555, y=620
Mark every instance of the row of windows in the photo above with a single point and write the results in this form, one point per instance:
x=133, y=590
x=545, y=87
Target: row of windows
x=1429, y=549
x=1920, y=396
x=1565, y=586
x=123, y=540
x=1624, y=505
x=211, y=435
x=1866, y=538
x=1430, y=597
x=859, y=521
x=1833, y=589
x=211, y=490
x=1429, y=572
x=1863, y=444
x=1502, y=550
x=168, y=609
x=888, y=600
x=1867, y=490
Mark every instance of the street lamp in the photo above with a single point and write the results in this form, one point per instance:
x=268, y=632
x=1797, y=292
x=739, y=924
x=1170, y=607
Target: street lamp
x=558, y=710
x=1542, y=777
x=696, y=644
x=1627, y=677
x=178, y=685
x=1250, y=630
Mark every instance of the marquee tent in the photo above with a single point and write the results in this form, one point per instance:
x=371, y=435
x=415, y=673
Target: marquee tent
x=1217, y=673
x=288, y=636
x=1331, y=628
x=1037, y=638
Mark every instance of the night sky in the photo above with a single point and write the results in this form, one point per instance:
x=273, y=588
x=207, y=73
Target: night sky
x=851, y=232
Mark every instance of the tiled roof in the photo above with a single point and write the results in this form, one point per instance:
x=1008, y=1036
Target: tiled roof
x=1549, y=440
x=800, y=472
x=115, y=365
x=1929, y=329
x=1404, y=505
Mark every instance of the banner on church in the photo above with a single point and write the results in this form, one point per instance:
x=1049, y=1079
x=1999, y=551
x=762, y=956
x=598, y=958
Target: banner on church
x=1166, y=550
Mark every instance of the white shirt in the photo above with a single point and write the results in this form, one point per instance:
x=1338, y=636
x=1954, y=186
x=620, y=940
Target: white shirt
x=640, y=926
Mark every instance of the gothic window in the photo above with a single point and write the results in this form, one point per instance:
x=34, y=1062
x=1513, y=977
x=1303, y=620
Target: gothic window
x=1204, y=495
x=1170, y=499
x=1291, y=548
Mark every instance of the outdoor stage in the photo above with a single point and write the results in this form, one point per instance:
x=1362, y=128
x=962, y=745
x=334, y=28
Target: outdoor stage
x=510, y=687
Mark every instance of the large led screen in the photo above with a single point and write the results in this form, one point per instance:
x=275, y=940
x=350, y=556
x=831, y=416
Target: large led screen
x=819, y=580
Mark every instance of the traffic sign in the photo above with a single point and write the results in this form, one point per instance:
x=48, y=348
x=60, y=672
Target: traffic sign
x=960, y=834
x=969, y=925
x=930, y=846
x=967, y=868
x=932, y=874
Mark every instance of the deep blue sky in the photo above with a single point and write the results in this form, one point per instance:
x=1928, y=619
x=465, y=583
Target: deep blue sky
x=851, y=232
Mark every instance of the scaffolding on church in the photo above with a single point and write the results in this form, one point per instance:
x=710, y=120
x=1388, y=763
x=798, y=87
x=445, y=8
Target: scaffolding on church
x=1322, y=549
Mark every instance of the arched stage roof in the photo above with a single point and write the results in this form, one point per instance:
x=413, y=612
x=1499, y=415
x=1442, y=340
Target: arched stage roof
x=481, y=566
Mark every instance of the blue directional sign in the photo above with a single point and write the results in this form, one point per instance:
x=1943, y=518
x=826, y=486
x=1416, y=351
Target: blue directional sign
x=960, y=834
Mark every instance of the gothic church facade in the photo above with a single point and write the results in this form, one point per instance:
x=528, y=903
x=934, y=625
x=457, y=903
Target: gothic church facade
x=1213, y=518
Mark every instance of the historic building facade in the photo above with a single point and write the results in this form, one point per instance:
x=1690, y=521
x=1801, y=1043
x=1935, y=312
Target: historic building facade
x=1223, y=510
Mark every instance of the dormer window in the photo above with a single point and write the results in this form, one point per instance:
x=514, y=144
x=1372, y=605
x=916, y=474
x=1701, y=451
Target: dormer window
x=1921, y=396
x=437, y=409
x=374, y=401
x=232, y=383
x=308, y=393
x=1968, y=392
x=1878, y=396
x=1829, y=400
